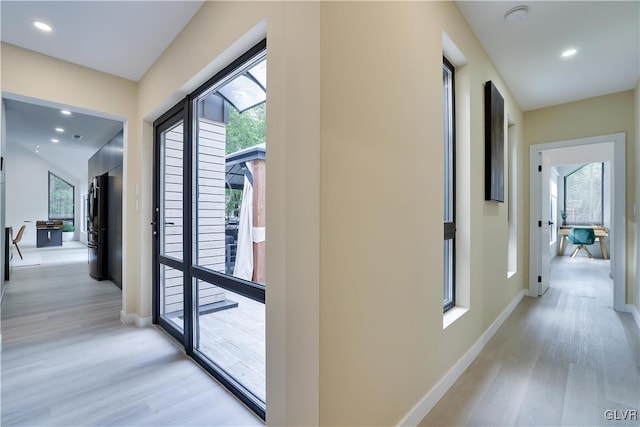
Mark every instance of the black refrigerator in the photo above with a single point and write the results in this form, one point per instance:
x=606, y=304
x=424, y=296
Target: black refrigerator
x=97, y=227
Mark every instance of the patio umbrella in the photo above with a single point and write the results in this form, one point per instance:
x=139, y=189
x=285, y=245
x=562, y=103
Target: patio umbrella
x=244, y=253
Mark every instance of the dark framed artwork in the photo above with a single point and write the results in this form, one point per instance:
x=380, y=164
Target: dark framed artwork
x=493, y=143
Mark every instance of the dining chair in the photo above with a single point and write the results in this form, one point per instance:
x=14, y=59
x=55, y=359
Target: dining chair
x=18, y=238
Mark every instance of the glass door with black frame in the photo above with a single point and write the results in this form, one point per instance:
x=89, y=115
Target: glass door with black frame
x=209, y=226
x=168, y=226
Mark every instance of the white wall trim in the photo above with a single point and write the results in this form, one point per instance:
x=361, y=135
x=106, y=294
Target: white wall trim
x=134, y=319
x=430, y=400
x=125, y=318
x=142, y=322
x=634, y=312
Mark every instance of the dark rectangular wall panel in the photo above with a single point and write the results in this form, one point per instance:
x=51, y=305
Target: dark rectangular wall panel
x=493, y=143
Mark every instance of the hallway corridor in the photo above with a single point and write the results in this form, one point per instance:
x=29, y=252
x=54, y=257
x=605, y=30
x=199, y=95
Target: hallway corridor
x=562, y=359
x=67, y=360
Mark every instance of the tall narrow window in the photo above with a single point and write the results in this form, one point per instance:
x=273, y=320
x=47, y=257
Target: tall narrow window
x=584, y=195
x=449, y=184
x=512, y=212
x=61, y=199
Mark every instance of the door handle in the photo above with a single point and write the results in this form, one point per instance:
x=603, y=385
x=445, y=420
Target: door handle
x=154, y=223
x=550, y=223
x=169, y=223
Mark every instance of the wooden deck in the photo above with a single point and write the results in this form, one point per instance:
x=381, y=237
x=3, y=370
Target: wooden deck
x=235, y=339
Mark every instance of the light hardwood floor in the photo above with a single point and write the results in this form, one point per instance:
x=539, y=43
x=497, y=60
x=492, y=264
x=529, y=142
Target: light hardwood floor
x=559, y=360
x=67, y=360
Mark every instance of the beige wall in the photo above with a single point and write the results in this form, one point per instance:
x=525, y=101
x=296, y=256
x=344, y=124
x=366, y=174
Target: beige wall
x=3, y=145
x=44, y=78
x=637, y=197
x=382, y=343
x=591, y=117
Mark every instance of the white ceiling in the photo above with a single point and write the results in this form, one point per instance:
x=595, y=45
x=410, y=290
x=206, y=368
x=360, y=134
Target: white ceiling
x=123, y=38
x=527, y=53
x=33, y=127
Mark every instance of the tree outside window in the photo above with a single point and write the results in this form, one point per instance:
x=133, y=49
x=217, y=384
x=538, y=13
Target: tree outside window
x=584, y=196
x=61, y=199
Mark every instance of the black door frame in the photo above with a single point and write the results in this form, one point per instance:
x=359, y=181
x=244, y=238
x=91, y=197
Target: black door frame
x=175, y=115
x=184, y=110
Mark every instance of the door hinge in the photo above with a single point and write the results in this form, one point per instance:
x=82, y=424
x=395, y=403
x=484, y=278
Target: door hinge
x=539, y=224
x=539, y=279
x=539, y=168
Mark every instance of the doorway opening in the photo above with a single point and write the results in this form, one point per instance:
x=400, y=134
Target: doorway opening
x=48, y=154
x=547, y=237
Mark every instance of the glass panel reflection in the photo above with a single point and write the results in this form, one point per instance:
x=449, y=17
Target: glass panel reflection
x=243, y=93
x=171, y=193
x=233, y=337
x=229, y=226
x=259, y=72
x=171, y=295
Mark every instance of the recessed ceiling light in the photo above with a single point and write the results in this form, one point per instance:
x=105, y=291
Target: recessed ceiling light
x=37, y=151
x=66, y=112
x=37, y=146
x=59, y=130
x=42, y=26
x=569, y=52
x=54, y=140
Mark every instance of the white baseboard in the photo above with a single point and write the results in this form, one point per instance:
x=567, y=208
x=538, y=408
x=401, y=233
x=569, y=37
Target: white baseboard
x=125, y=318
x=134, y=319
x=634, y=312
x=430, y=400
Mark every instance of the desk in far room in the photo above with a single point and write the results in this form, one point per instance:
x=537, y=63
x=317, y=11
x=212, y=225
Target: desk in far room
x=49, y=233
x=599, y=231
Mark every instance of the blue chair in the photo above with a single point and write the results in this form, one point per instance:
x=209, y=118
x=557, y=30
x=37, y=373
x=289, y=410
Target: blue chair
x=582, y=237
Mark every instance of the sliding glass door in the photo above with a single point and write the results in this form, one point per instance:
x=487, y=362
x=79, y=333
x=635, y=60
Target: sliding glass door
x=210, y=281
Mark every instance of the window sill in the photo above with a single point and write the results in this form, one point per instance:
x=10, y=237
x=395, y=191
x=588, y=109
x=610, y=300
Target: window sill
x=452, y=315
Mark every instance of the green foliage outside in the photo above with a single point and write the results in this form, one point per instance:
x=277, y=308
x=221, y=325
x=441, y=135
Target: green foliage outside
x=583, y=195
x=66, y=227
x=243, y=131
x=247, y=129
x=61, y=198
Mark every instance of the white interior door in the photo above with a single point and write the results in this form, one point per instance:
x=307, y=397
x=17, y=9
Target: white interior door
x=544, y=225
